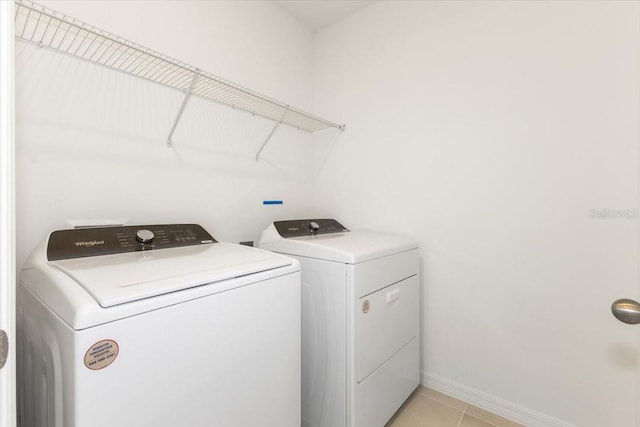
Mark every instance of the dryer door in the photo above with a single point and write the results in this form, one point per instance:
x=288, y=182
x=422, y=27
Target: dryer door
x=386, y=321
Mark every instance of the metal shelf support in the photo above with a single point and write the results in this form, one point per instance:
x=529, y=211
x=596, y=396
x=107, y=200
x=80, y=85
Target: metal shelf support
x=53, y=30
x=275, y=128
x=187, y=95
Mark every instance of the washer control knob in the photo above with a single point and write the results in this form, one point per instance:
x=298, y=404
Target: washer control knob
x=314, y=227
x=144, y=236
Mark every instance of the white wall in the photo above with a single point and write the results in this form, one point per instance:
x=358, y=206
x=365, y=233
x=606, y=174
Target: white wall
x=489, y=130
x=91, y=142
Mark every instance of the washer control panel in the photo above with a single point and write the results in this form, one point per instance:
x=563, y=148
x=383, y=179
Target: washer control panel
x=86, y=242
x=308, y=227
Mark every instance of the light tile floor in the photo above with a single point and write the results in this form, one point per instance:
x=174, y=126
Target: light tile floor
x=429, y=408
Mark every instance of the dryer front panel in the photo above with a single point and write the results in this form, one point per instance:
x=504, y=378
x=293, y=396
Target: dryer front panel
x=386, y=321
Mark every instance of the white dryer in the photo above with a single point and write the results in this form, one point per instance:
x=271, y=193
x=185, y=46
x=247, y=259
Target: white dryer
x=360, y=320
x=157, y=325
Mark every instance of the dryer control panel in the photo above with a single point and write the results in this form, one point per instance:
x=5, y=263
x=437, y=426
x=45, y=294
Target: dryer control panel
x=86, y=242
x=308, y=227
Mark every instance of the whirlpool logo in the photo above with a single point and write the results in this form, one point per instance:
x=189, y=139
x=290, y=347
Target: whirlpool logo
x=90, y=243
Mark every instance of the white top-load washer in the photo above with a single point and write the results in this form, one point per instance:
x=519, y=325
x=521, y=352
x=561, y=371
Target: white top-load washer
x=360, y=320
x=157, y=325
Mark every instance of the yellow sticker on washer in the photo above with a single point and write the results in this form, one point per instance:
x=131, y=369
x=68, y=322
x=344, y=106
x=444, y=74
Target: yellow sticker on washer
x=101, y=354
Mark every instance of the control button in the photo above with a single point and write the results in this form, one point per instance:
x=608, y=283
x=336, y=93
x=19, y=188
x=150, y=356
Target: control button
x=144, y=236
x=314, y=227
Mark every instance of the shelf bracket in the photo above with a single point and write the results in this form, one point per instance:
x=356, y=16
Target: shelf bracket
x=182, y=107
x=286, y=110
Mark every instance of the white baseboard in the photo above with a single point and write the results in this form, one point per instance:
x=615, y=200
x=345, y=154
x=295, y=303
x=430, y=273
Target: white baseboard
x=496, y=405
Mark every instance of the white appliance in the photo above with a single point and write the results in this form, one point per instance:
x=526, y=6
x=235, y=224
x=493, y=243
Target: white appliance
x=157, y=325
x=360, y=311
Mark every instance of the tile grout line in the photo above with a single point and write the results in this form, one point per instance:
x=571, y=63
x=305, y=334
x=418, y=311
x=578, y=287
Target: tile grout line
x=462, y=414
x=465, y=409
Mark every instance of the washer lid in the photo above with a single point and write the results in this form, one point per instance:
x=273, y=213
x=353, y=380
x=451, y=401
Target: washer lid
x=125, y=277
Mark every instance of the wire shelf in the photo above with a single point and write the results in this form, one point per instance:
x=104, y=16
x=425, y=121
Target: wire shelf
x=47, y=28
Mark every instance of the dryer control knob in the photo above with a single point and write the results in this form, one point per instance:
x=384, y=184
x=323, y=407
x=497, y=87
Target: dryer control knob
x=314, y=227
x=144, y=236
